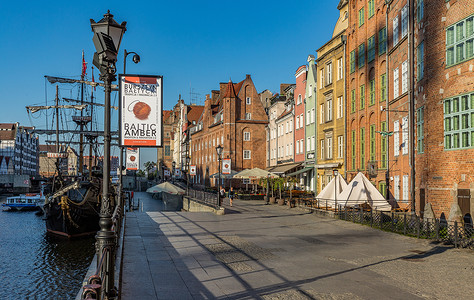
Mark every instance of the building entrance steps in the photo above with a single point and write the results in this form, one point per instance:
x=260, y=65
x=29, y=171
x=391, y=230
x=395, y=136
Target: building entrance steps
x=259, y=251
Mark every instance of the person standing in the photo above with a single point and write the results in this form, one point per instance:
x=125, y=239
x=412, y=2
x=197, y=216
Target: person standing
x=231, y=195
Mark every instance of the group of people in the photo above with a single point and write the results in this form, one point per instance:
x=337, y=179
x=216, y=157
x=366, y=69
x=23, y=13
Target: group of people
x=231, y=194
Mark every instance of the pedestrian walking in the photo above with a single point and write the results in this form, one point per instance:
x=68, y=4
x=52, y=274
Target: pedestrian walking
x=222, y=194
x=231, y=195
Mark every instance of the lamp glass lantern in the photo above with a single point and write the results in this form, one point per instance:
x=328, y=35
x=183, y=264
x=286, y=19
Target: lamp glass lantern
x=110, y=27
x=219, y=151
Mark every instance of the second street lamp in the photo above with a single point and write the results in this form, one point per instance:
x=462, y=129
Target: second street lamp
x=219, y=156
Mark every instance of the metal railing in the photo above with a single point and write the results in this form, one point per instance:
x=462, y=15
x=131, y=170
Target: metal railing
x=456, y=233
x=207, y=198
x=96, y=287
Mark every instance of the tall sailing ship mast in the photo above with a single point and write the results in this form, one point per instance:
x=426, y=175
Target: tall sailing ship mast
x=72, y=207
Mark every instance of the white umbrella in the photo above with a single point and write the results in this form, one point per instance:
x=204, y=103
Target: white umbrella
x=167, y=188
x=254, y=174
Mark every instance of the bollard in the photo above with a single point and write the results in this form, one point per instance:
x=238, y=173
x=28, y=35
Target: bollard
x=405, y=223
x=455, y=234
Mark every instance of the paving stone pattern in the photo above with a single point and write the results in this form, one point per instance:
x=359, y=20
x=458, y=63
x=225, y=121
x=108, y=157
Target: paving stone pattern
x=259, y=251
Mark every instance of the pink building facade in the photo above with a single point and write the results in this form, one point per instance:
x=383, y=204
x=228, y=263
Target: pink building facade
x=299, y=121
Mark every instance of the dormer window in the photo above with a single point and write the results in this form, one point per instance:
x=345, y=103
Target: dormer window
x=248, y=116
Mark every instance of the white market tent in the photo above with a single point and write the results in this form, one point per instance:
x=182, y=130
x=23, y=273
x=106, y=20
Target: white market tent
x=334, y=187
x=361, y=191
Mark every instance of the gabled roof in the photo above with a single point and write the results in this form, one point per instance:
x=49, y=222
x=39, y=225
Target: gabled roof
x=284, y=114
x=9, y=126
x=195, y=112
x=166, y=114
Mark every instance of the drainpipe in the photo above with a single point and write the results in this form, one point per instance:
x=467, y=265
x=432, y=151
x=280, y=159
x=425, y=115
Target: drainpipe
x=344, y=42
x=411, y=46
x=387, y=115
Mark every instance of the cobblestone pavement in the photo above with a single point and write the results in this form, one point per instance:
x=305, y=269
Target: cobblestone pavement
x=259, y=251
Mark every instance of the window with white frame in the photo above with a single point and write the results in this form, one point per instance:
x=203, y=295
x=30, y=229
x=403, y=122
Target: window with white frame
x=404, y=20
x=321, y=78
x=329, y=109
x=396, y=187
x=297, y=122
x=312, y=115
x=340, y=69
x=396, y=138
x=340, y=107
x=246, y=136
x=322, y=142
x=291, y=148
x=310, y=91
x=291, y=125
x=308, y=144
x=287, y=126
x=302, y=146
x=308, y=117
x=395, y=31
x=313, y=145
x=248, y=116
x=247, y=154
x=328, y=73
x=405, y=76
x=287, y=149
x=405, y=135
x=248, y=100
x=329, y=147
x=405, y=189
x=299, y=99
x=222, y=139
x=340, y=146
x=395, y=84
x=301, y=120
x=297, y=147
x=321, y=113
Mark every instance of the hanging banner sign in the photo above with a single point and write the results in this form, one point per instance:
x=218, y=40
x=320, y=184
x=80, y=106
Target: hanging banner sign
x=133, y=158
x=167, y=172
x=192, y=170
x=141, y=110
x=226, y=166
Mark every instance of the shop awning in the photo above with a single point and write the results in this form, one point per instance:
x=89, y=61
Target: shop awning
x=327, y=166
x=282, y=169
x=300, y=171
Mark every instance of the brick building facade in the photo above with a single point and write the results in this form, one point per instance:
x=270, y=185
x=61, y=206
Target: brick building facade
x=366, y=90
x=444, y=94
x=234, y=118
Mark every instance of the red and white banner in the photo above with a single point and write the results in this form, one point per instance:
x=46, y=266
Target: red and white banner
x=192, y=170
x=133, y=158
x=226, y=166
x=141, y=110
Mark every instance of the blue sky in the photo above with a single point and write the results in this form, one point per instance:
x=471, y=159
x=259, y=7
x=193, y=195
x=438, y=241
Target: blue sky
x=193, y=44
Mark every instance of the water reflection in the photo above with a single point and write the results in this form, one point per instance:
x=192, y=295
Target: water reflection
x=35, y=265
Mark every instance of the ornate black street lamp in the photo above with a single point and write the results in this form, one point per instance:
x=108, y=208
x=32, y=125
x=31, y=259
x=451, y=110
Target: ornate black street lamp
x=107, y=37
x=219, y=156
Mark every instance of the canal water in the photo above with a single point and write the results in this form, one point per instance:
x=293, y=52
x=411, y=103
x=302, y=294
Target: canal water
x=34, y=265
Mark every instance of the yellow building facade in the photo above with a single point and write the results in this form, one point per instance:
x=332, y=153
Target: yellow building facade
x=331, y=98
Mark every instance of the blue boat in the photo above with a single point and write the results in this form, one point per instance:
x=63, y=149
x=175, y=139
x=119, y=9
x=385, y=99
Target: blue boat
x=24, y=202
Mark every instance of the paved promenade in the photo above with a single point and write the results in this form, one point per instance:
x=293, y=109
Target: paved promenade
x=259, y=251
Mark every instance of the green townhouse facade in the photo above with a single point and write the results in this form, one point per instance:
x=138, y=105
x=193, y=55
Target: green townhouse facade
x=310, y=129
